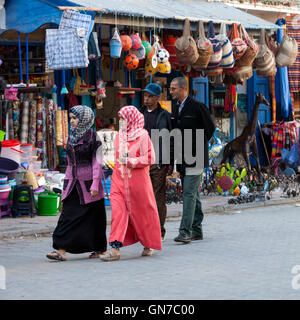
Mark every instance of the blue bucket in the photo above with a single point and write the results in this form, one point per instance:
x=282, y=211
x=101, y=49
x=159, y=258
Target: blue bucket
x=115, y=48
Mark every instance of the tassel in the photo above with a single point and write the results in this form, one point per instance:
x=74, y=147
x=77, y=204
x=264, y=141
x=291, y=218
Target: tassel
x=64, y=90
x=119, y=95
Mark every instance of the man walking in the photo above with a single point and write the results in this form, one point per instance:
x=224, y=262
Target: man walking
x=193, y=115
x=157, y=118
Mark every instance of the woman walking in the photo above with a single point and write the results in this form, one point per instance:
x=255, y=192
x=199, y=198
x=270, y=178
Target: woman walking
x=134, y=211
x=82, y=224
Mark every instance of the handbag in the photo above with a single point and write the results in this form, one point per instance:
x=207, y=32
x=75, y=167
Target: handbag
x=185, y=46
x=265, y=60
x=251, y=50
x=11, y=93
x=205, y=49
x=227, y=54
x=238, y=45
x=287, y=51
x=216, y=56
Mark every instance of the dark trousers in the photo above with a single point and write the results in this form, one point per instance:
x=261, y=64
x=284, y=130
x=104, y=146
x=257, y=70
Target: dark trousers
x=158, y=179
x=192, y=215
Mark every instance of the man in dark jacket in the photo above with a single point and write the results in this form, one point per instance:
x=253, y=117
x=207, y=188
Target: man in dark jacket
x=157, y=118
x=191, y=114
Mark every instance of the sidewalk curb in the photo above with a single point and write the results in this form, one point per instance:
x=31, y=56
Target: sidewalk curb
x=175, y=215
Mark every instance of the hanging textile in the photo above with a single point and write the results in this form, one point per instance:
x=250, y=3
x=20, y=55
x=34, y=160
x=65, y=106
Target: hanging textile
x=293, y=30
x=25, y=122
x=39, y=129
x=10, y=121
x=44, y=146
x=283, y=96
x=66, y=127
x=16, y=113
x=59, y=129
x=273, y=97
x=296, y=98
x=32, y=125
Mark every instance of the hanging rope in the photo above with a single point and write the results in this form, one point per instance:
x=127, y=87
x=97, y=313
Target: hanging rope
x=99, y=39
x=27, y=75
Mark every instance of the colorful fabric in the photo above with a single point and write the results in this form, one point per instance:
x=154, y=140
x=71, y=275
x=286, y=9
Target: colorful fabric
x=293, y=30
x=16, y=114
x=273, y=96
x=283, y=95
x=39, y=129
x=296, y=96
x=59, y=134
x=32, y=130
x=86, y=120
x=134, y=123
x=25, y=122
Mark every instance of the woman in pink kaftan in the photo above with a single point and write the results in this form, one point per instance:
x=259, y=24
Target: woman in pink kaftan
x=134, y=211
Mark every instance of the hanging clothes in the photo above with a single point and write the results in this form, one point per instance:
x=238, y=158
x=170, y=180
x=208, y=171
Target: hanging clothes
x=283, y=96
x=293, y=30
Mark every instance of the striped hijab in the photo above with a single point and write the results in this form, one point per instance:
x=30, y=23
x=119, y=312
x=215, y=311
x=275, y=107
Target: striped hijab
x=86, y=120
x=134, y=123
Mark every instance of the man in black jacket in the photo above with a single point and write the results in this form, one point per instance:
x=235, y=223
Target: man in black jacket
x=191, y=114
x=157, y=118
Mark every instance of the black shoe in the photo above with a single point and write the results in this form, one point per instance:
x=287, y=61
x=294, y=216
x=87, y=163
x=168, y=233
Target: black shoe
x=198, y=236
x=181, y=238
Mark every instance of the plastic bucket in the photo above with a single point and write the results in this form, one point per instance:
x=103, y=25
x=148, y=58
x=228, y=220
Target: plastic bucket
x=11, y=150
x=115, y=49
x=26, y=148
x=8, y=168
x=48, y=203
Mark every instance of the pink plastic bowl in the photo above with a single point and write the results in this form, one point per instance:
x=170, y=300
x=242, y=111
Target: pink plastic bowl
x=4, y=194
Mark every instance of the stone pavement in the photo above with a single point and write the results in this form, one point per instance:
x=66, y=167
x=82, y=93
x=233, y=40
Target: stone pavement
x=42, y=225
x=249, y=254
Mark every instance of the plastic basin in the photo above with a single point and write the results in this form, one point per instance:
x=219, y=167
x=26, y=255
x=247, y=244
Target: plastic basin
x=8, y=167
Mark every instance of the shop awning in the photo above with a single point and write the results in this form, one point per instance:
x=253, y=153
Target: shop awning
x=27, y=16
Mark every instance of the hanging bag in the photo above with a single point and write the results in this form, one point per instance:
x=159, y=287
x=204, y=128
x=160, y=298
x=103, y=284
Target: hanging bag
x=227, y=54
x=214, y=69
x=238, y=45
x=185, y=46
x=205, y=49
x=251, y=50
x=265, y=60
x=287, y=52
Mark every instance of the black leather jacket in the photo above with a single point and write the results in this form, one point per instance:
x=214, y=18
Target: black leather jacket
x=163, y=121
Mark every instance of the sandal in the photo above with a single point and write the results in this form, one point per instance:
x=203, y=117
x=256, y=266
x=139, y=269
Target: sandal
x=110, y=256
x=147, y=252
x=58, y=256
x=96, y=254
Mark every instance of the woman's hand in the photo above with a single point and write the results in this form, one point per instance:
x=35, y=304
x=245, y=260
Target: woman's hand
x=94, y=193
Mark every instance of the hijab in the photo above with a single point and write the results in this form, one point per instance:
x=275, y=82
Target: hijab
x=134, y=123
x=86, y=120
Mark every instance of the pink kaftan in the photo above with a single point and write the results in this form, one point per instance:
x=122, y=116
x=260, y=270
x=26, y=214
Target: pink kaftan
x=134, y=211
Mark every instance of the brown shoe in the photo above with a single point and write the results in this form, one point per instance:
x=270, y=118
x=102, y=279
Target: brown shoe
x=110, y=256
x=147, y=252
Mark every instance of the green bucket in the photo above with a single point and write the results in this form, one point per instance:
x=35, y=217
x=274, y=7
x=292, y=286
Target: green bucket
x=49, y=203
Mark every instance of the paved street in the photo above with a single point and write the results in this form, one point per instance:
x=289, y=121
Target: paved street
x=245, y=255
